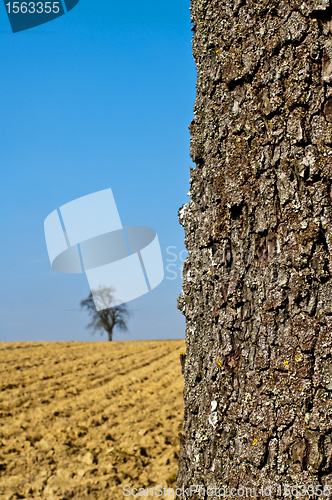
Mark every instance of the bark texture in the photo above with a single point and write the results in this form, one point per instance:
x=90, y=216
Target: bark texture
x=257, y=291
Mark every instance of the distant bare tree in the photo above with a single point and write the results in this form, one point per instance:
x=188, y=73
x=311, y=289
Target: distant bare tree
x=109, y=317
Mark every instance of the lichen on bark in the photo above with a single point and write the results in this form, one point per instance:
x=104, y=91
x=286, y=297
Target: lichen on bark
x=257, y=293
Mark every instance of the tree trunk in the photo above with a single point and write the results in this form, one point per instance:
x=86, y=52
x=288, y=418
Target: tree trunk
x=257, y=283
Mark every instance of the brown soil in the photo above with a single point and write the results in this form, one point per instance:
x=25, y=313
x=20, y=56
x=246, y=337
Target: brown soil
x=81, y=420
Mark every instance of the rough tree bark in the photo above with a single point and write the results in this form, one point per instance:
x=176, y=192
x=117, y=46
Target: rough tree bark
x=257, y=291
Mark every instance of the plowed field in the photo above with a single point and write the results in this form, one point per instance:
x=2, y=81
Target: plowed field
x=81, y=420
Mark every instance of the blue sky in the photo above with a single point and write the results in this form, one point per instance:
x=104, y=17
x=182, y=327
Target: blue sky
x=99, y=98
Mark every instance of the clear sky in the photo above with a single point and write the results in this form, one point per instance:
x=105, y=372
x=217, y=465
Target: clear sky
x=99, y=98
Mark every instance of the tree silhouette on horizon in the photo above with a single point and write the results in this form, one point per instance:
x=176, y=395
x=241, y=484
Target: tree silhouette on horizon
x=110, y=317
